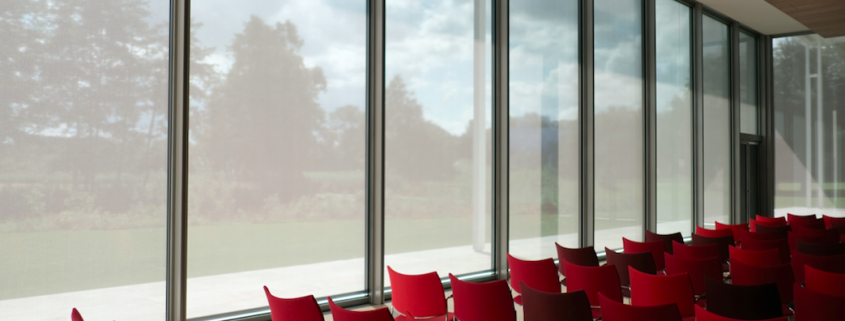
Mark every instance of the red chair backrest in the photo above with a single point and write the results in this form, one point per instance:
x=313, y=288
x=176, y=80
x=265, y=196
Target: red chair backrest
x=819, y=249
x=703, y=315
x=585, y=256
x=696, y=251
x=488, y=301
x=780, y=274
x=765, y=219
x=546, y=306
x=656, y=248
x=643, y=262
x=781, y=231
x=540, y=275
x=809, y=230
x=816, y=224
x=817, y=238
x=782, y=245
x=697, y=269
x=744, y=235
x=795, y=218
x=814, y=306
x=647, y=289
x=302, y=308
x=752, y=224
x=341, y=314
x=823, y=281
x=713, y=233
x=617, y=311
x=419, y=295
x=764, y=257
x=594, y=280
x=666, y=238
x=735, y=228
x=830, y=221
x=829, y=263
x=75, y=316
x=722, y=244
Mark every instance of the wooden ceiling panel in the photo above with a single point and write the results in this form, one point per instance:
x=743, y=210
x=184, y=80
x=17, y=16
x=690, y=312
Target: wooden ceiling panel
x=825, y=17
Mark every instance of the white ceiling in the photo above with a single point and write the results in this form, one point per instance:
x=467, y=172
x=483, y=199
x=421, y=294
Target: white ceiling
x=757, y=14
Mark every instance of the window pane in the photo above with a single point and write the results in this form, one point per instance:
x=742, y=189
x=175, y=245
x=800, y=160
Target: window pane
x=618, y=122
x=438, y=143
x=808, y=130
x=717, y=122
x=83, y=155
x=544, y=71
x=674, y=117
x=277, y=187
x=748, y=83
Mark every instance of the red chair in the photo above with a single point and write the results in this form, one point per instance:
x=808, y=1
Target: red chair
x=795, y=218
x=781, y=231
x=776, y=220
x=703, y=315
x=780, y=274
x=696, y=251
x=752, y=224
x=829, y=263
x=735, y=228
x=419, y=295
x=815, y=224
x=819, y=249
x=546, y=306
x=823, y=281
x=782, y=245
x=488, y=301
x=713, y=233
x=656, y=248
x=765, y=236
x=814, y=306
x=585, y=256
x=302, y=308
x=804, y=230
x=721, y=242
x=647, y=290
x=666, y=238
x=643, y=262
x=594, y=280
x=697, y=269
x=617, y=311
x=540, y=275
x=341, y=314
x=75, y=316
x=744, y=302
x=763, y=258
x=830, y=221
x=826, y=238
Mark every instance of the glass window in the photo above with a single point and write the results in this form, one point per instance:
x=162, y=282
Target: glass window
x=438, y=142
x=748, y=83
x=277, y=160
x=717, y=122
x=674, y=116
x=83, y=156
x=618, y=122
x=544, y=87
x=809, y=103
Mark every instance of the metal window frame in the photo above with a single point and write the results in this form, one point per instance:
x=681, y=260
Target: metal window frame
x=736, y=103
x=375, y=291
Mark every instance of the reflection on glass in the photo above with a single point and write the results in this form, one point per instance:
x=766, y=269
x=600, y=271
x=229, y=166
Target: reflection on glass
x=809, y=135
x=544, y=87
x=618, y=122
x=674, y=117
x=438, y=143
x=748, y=83
x=277, y=152
x=83, y=154
x=717, y=122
